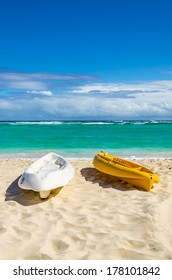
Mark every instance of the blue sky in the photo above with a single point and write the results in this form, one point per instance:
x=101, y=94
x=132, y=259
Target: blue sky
x=71, y=59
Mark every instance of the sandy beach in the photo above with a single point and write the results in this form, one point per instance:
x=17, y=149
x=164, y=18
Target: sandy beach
x=94, y=217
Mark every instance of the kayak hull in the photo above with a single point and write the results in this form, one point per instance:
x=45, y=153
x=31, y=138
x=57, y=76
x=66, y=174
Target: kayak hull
x=132, y=173
x=47, y=173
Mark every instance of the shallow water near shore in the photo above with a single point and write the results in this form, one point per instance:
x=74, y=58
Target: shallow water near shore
x=83, y=139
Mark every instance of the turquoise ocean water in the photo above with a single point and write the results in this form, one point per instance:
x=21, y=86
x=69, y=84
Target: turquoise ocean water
x=83, y=139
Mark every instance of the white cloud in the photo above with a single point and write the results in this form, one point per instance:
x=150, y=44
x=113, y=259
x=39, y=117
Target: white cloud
x=62, y=107
x=36, y=81
x=135, y=100
x=20, y=81
x=116, y=87
x=5, y=105
x=41, y=92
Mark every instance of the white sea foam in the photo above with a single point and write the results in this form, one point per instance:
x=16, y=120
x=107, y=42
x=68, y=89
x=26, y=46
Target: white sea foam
x=140, y=123
x=31, y=123
x=123, y=122
x=97, y=123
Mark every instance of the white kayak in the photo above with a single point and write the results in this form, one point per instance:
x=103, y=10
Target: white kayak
x=47, y=173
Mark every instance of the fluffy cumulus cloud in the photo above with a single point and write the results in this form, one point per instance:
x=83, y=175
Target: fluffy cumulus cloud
x=34, y=96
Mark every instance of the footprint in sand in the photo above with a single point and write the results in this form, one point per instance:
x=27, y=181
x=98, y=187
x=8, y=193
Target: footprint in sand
x=2, y=230
x=26, y=215
x=59, y=245
x=22, y=233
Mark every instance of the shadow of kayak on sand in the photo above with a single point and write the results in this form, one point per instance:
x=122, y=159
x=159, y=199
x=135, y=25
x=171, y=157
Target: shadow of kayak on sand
x=105, y=180
x=26, y=197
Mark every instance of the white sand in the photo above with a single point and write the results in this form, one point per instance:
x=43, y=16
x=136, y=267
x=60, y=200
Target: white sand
x=94, y=217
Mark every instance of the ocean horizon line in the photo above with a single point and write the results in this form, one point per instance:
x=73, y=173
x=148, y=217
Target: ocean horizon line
x=83, y=120
x=54, y=122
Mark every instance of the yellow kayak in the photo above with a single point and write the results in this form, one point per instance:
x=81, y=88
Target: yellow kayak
x=125, y=170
